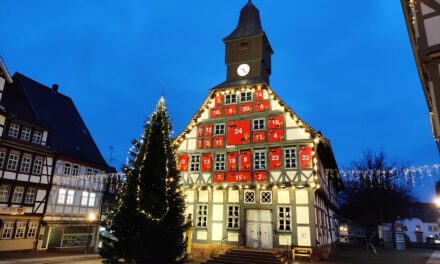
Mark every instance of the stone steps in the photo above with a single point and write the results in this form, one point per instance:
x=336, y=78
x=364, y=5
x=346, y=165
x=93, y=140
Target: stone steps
x=248, y=256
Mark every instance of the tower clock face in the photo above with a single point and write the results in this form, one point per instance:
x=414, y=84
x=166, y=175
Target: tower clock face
x=243, y=69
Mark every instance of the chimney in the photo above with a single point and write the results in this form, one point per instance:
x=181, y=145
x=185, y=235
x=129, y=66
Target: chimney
x=55, y=88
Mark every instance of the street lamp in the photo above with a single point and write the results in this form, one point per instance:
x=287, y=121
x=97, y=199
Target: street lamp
x=91, y=217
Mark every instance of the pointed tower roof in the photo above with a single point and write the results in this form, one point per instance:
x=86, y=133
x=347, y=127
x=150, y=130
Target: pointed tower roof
x=249, y=23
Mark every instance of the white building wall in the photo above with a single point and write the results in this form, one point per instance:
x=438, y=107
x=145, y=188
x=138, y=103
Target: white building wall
x=61, y=211
x=428, y=229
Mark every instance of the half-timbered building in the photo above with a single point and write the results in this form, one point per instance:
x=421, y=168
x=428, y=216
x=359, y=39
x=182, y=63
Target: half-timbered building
x=423, y=22
x=26, y=165
x=254, y=173
x=62, y=153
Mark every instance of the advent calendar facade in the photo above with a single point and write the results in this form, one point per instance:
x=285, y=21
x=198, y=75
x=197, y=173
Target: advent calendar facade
x=254, y=173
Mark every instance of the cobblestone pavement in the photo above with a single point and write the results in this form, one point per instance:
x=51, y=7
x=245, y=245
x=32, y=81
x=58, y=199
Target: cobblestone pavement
x=353, y=255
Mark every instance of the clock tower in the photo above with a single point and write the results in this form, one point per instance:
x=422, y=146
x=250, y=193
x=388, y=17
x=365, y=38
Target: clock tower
x=248, y=52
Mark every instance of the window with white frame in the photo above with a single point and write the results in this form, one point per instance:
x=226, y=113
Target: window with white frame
x=25, y=133
x=75, y=170
x=4, y=193
x=84, y=198
x=2, y=158
x=25, y=166
x=20, y=230
x=96, y=171
x=233, y=216
x=284, y=218
x=70, y=197
x=37, y=167
x=258, y=124
x=67, y=168
x=92, y=197
x=12, y=162
x=245, y=96
x=17, y=196
x=219, y=129
x=202, y=215
x=89, y=171
x=290, y=158
x=266, y=197
x=249, y=196
x=13, y=130
x=195, y=162
x=230, y=99
x=8, y=228
x=30, y=195
x=36, y=136
x=32, y=229
x=61, y=196
x=219, y=164
x=260, y=159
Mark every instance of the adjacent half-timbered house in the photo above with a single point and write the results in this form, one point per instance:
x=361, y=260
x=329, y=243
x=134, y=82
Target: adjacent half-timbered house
x=26, y=165
x=423, y=23
x=254, y=173
x=75, y=177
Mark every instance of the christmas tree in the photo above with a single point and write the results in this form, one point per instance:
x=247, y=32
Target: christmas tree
x=147, y=221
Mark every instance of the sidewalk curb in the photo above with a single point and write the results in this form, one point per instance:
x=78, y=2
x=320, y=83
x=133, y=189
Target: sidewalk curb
x=48, y=261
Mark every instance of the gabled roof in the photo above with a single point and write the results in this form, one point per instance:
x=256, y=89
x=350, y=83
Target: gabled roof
x=249, y=23
x=37, y=104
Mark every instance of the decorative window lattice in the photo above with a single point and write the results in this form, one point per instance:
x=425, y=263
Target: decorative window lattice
x=266, y=197
x=249, y=196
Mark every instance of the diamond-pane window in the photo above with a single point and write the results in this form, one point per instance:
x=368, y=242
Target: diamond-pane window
x=266, y=197
x=249, y=196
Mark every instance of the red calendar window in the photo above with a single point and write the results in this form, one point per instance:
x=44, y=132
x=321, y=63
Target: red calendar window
x=199, y=143
x=275, y=135
x=207, y=143
x=218, y=100
x=232, y=161
x=260, y=176
x=262, y=106
x=275, y=159
x=230, y=110
x=305, y=157
x=275, y=122
x=239, y=132
x=182, y=165
x=258, y=136
x=239, y=176
x=206, y=162
x=258, y=95
x=219, y=177
x=216, y=112
x=245, y=160
x=208, y=130
x=246, y=108
x=219, y=142
x=200, y=131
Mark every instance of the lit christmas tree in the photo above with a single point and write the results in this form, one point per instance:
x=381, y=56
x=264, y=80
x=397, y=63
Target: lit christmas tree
x=148, y=221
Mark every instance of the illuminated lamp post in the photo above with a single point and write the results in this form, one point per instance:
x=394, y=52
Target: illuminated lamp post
x=91, y=217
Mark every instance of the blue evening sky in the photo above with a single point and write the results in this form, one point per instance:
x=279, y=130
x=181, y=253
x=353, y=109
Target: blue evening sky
x=346, y=68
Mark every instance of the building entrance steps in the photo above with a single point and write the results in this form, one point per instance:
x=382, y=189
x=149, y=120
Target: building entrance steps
x=247, y=256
